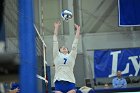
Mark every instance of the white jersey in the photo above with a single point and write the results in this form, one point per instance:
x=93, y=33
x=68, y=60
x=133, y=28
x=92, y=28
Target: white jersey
x=64, y=64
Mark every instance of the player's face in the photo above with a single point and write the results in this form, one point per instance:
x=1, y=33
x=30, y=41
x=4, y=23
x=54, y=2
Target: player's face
x=64, y=50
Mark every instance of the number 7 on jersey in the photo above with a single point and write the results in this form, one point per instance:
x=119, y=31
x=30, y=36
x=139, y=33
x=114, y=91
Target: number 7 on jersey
x=65, y=60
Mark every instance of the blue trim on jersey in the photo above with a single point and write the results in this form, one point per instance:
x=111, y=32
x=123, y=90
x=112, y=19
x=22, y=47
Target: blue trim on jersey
x=64, y=86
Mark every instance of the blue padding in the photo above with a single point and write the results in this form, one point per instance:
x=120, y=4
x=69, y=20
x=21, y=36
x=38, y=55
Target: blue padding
x=27, y=47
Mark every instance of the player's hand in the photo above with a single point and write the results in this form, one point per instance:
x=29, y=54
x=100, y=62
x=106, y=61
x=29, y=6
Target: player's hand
x=77, y=28
x=57, y=24
x=56, y=27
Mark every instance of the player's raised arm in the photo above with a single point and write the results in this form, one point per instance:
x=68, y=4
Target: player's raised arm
x=75, y=42
x=55, y=41
x=77, y=31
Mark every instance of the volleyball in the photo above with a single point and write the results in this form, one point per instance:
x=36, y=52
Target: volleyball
x=66, y=15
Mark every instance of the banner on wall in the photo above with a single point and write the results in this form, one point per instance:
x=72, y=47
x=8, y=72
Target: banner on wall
x=108, y=62
x=129, y=12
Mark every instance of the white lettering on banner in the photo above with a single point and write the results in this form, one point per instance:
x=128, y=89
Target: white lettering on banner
x=115, y=64
x=135, y=64
x=126, y=70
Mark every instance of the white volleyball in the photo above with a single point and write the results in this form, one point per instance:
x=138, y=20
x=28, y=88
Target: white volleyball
x=66, y=15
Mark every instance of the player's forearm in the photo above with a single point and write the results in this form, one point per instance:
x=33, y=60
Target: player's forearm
x=77, y=35
x=55, y=44
x=74, y=48
x=55, y=34
x=75, y=42
x=55, y=38
x=56, y=31
x=55, y=41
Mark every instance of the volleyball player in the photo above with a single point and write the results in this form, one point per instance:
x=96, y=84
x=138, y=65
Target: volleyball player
x=64, y=62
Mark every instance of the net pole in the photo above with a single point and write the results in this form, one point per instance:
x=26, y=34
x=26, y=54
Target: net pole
x=27, y=49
